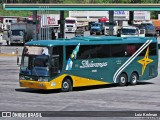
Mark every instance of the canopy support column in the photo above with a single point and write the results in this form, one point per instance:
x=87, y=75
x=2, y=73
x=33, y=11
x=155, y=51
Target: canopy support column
x=35, y=25
x=62, y=23
x=131, y=17
x=111, y=19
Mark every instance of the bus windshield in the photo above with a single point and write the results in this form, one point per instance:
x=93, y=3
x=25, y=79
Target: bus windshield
x=35, y=61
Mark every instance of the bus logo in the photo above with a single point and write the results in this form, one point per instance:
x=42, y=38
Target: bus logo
x=145, y=61
x=87, y=64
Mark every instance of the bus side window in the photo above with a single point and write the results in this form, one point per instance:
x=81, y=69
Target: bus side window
x=130, y=50
x=152, y=49
x=85, y=52
x=117, y=50
x=143, y=52
x=69, y=50
x=103, y=51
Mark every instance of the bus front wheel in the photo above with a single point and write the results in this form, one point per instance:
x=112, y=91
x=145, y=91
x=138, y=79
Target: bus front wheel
x=133, y=78
x=122, y=79
x=66, y=85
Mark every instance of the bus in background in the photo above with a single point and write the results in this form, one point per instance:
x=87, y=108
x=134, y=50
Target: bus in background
x=70, y=24
x=86, y=61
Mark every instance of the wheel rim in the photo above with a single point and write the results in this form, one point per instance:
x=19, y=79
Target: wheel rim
x=123, y=79
x=65, y=85
x=134, y=79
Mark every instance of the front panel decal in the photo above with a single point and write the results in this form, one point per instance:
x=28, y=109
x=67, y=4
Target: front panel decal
x=145, y=61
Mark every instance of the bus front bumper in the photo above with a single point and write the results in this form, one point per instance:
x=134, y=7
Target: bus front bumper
x=38, y=85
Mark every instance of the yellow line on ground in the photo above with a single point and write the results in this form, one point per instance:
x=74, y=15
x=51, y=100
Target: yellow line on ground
x=7, y=54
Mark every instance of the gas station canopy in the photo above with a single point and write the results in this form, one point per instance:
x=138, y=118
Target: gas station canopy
x=84, y=7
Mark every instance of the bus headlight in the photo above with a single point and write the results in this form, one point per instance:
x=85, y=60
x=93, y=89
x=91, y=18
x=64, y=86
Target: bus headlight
x=42, y=79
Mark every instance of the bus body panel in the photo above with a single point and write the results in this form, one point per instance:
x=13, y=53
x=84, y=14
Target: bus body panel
x=97, y=71
x=57, y=82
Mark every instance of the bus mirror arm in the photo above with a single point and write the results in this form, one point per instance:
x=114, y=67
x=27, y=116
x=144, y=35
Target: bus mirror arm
x=54, y=56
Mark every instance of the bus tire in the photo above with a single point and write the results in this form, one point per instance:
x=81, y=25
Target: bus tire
x=122, y=79
x=66, y=85
x=133, y=78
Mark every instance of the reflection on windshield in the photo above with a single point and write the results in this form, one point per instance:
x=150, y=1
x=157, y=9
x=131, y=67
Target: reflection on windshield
x=32, y=50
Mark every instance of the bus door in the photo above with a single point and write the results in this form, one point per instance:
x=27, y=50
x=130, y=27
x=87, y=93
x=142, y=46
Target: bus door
x=56, y=61
x=54, y=69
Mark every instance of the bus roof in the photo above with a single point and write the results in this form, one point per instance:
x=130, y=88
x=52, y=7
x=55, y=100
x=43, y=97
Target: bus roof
x=91, y=40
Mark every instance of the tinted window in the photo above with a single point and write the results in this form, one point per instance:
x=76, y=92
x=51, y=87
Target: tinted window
x=117, y=50
x=58, y=52
x=94, y=51
x=69, y=50
x=143, y=52
x=130, y=50
x=87, y=52
x=105, y=51
x=90, y=51
x=152, y=49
